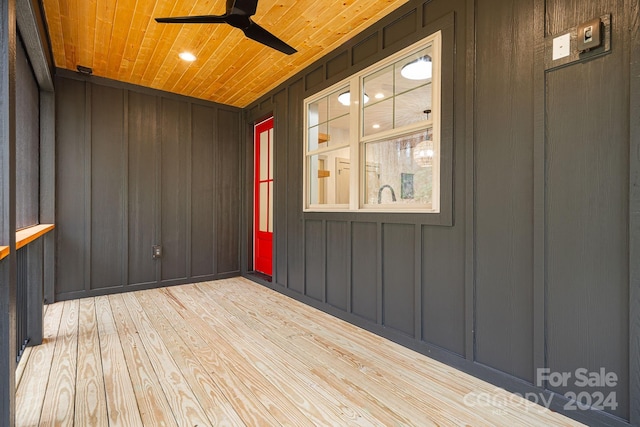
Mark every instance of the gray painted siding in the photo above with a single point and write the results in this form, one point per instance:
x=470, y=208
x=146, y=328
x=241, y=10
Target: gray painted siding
x=202, y=190
x=141, y=187
x=108, y=178
x=136, y=168
x=70, y=170
x=504, y=201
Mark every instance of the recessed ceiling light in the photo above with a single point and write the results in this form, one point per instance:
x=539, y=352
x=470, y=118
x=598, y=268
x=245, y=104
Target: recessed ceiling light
x=379, y=95
x=376, y=126
x=187, y=56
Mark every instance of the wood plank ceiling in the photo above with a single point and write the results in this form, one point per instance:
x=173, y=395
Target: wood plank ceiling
x=120, y=40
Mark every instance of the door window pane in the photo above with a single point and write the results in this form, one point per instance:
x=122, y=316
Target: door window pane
x=264, y=156
x=264, y=206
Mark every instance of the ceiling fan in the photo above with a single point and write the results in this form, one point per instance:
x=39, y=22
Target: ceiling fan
x=238, y=15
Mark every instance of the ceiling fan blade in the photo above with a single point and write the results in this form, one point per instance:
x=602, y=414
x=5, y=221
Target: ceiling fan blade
x=259, y=34
x=203, y=19
x=247, y=7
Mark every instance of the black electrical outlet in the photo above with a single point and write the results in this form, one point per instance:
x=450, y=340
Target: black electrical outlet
x=157, y=251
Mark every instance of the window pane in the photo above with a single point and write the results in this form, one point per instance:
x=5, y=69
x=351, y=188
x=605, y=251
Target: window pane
x=329, y=178
x=336, y=107
x=400, y=171
x=413, y=71
x=413, y=106
x=379, y=85
x=378, y=117
x=318, y=137
x=398, y=98
x=338, y=133
x=317, y=112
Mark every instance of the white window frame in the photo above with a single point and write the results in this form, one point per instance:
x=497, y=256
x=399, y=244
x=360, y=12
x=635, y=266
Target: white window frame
x=357, y=141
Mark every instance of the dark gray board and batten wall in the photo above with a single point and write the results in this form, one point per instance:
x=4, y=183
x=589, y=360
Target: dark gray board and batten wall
x=137, y=168
x=533, y=270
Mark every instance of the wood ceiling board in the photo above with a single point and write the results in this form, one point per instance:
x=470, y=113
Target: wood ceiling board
x=54, y=24
x=142, y=15
x=105, y=12
x=120, y=40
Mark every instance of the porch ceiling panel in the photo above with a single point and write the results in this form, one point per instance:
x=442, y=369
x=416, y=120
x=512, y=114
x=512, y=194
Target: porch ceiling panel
x=120, y=40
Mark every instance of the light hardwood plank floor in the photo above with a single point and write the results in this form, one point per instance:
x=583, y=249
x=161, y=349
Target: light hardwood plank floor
x=235, y=353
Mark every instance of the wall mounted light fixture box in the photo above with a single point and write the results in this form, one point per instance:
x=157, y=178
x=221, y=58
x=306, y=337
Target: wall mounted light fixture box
x=589, y=35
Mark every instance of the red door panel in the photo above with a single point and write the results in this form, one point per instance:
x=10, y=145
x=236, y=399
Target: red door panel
x=263, y=196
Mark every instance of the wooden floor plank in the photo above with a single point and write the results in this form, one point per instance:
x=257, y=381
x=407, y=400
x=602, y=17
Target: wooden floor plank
x=205, y=390
x=329, y=370
x=323, y=406
x=235, y=353
x=247, y=388
x=185, y=407
x=31, y=391
x=351, y=371
x=91, y=402
x=423, y=393
x=122, y=407
x=59, y=399
x=152, y=403
x=22, y=364
x=424, y=379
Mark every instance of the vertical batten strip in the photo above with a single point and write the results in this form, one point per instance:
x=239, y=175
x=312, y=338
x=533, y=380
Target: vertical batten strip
x=349, y=266
x=418, y=284
x=157, y=232
x=634, y=212
x=379, y=284
x=470, y=187
x=48, y=187
x=539, y=255
x=188, y=196
x=88, y=141
x=125, y=188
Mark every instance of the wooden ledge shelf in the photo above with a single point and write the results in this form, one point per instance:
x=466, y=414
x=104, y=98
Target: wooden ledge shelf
x=28, y=235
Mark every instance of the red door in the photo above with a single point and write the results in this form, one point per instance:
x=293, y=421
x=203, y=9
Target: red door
x=263, y=188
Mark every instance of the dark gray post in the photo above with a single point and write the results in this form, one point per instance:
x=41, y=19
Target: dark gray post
x=48, y=189
x=7, y=212
x=35, y=321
